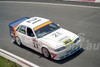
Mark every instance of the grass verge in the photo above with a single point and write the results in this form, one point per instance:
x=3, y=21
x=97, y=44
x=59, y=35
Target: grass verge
x=7, y=63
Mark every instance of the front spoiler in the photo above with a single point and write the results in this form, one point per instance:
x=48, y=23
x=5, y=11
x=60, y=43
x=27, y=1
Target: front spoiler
x=70, y=53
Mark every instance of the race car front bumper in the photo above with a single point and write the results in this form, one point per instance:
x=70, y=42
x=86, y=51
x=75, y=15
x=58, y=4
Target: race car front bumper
x=70, y=53
x=65, y=53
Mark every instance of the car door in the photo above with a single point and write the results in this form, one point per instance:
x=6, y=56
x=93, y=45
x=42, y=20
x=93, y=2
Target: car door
x=31, y=40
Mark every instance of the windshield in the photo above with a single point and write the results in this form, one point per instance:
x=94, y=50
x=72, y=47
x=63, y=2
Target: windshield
x=46, y=30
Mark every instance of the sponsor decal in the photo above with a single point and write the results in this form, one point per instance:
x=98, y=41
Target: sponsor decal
x=34, y=20
x=40, y=26
x=67, y=42
x=54, y=56
x=14, y=31
x=34, y=40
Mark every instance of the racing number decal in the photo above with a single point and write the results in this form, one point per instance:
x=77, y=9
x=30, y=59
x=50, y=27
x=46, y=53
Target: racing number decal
x=35, y=43
x=56, y=34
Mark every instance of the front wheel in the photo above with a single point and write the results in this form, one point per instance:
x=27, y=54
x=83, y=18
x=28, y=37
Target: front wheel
x=45, y=52
x=18, y=41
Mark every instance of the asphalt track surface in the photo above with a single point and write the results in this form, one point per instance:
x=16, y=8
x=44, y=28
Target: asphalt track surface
x=84, y=20
x=62, y=2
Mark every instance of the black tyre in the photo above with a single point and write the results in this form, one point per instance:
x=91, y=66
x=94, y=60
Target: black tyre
x=46, y=53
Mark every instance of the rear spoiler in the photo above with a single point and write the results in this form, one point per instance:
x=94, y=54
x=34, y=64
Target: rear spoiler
x=14, y=24
x=17, y=22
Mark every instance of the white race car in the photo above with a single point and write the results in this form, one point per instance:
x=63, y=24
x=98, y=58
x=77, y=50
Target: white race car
x=45, y=37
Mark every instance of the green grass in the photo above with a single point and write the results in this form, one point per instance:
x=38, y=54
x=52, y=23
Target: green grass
x=7, y=63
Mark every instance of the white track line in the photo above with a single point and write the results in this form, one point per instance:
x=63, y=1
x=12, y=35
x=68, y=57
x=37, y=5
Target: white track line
x=17, y=59
x=54, y=4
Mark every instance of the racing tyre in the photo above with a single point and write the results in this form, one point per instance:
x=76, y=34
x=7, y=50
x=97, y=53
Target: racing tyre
x=18, y=41
x=45, y=52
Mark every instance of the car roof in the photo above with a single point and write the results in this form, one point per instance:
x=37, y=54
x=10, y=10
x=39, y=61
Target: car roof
x=34, y=22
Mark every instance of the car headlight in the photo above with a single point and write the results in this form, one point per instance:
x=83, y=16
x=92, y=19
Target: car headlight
x=76, y=40
x=61, y=48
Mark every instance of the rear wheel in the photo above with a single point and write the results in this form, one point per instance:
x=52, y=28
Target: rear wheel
x=18, y=41
x=45, y=52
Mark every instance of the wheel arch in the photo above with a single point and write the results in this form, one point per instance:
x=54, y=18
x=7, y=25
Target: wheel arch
x=44, y=46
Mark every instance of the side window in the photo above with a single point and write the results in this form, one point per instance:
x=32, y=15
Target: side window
x=22, y=29
x=29, y=32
